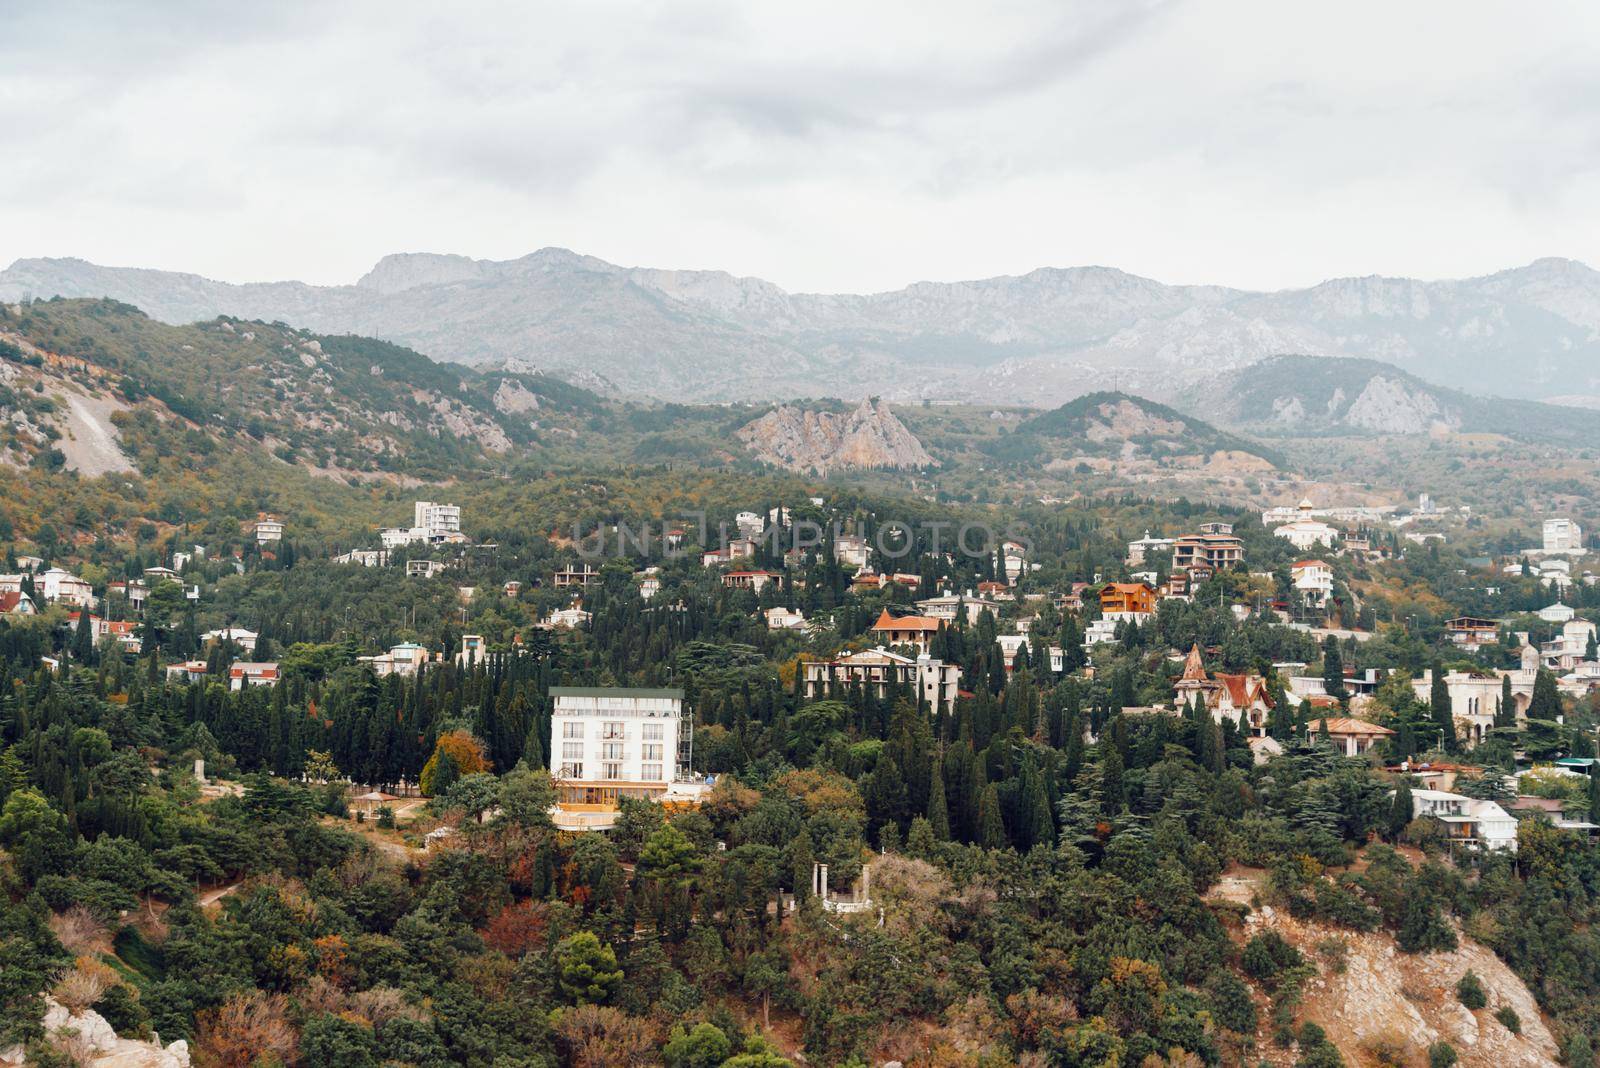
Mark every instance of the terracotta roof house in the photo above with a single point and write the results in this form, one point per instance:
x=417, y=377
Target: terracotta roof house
x=907, y=630
x=1352, y=736
x=1240, y=698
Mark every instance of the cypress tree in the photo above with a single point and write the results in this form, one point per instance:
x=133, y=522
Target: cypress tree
x=1439, y=703
x=938, y=814
x=1400, y=809
x=991, y=828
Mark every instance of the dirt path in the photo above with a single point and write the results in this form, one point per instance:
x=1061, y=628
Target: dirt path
x=211, y=897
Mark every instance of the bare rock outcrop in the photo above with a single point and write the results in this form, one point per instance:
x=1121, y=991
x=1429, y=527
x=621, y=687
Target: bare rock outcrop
x=818, y=442
x=90, y=1040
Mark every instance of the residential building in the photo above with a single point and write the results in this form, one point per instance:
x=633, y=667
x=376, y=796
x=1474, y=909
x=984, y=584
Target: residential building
x=785, y=619
x=1352, y=737
x=1146, y=548
x=751, y=580
x=17, y=603
x=610, y=743
x=568, y=618
x=1571, y=648
x=649, y=584
x=1475, y=697
x=1471, y=633
x=431, y=524
x=189, y=671
x=916, y=631
x=750, y=524
x=242, y=639
x=1100, y=632
x=405, y=660
x=60, y=586
x=1468, y=821
x=1563, y=536
x=135, y=591
x=1127, y=601
x=1240, y=698
x=851, y=550
x=882, y=671
x=948, y=606
x=424, y=568
x=474, y=651
x=1313, y=580
x=737, y=549
x=364, y=558
x=158, y=575
x=268, y=530
x=1557, y=613
x=1214, y=548
x=512, y=589
x=244, y=673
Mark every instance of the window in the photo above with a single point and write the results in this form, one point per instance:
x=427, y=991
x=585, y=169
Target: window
x=572, y=750
x=653, y=732
x=652, y=772
x=651, y=752
x=611, y=771
x=572, y=771
x=611, y=751
x=612, y=730
x=570, y=729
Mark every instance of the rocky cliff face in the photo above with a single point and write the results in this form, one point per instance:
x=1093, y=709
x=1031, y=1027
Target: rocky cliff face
x=818, y=442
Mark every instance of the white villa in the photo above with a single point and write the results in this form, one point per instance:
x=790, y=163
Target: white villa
x=1479, y=824
x=879, y=669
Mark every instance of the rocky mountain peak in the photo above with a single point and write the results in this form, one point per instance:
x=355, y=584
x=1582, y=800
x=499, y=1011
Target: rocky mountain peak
x=813, y=441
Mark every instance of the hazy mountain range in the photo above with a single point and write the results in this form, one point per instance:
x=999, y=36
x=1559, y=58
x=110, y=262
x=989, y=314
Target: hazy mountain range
x=1038, y=338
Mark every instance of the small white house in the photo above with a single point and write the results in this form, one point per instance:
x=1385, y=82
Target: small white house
x=1470, y=821
x=1556, y=613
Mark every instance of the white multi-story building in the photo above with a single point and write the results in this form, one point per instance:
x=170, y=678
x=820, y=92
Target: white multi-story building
x=1314, y=580
x=1467, y=820
x=58, y=585
x=880, y=671
x=405, y=659
x=613, y=737
x=268, y=530
x=1562, y=536
x=431, y=523
x=610, y=743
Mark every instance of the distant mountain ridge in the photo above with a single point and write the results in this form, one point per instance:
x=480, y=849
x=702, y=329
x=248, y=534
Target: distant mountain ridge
x=1299, y=396
x=1038, y=338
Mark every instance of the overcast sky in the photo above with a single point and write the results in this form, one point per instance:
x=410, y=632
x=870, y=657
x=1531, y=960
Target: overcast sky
x=832, y=147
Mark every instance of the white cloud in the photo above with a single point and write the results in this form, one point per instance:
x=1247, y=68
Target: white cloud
x=831, y=147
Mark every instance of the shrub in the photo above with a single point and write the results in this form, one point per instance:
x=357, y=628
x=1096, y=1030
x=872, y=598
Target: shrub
x=1441, y=1055
x=244, y=1028
x=1470, y=990
x=1267, y=955
x=1508, y=1016
x=120, y=1008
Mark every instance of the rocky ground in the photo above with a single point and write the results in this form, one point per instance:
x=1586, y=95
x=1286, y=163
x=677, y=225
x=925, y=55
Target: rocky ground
x=1385, y=1006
